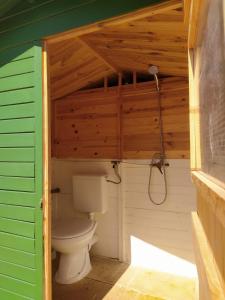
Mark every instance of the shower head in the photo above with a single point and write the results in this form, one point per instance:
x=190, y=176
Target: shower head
x=153, y=70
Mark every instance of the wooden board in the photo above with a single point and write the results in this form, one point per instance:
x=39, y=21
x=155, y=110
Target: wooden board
x=198, y=17
x=86, y=124
x=209, y=281
x=207, y=132
x=21, y=173
x=47, y=208
x=211, y=212
x=155, y=36
x=73, y=65
x=140, y=120
x=159, y=39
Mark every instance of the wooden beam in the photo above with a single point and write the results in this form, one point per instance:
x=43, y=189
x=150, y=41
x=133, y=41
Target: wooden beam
x=212, y=183
x=194, y=115
x=198, y=17
x=186, y=10
x=211, y=287
x=96, y=53
x=47, y=184
x=119, y=119
x=136, y=15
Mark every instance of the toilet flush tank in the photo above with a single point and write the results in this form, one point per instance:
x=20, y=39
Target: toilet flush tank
x=90, y=193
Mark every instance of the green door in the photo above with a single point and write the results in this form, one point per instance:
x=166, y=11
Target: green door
x=21, y=243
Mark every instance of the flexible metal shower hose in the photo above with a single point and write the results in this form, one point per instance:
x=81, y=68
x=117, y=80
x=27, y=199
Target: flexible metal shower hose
x=158, y=156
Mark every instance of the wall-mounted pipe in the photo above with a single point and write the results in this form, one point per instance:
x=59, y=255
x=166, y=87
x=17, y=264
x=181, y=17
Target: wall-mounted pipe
x=115, y=165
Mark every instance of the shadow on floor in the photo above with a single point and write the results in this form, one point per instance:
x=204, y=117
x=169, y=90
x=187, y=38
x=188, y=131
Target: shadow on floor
x=105, y=273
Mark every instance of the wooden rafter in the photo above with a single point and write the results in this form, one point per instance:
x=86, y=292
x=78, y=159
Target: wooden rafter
x=186, y=11
x=96, y=53
x=73, y=66
x=158, y=39
x=197, y=19
x=153, y=35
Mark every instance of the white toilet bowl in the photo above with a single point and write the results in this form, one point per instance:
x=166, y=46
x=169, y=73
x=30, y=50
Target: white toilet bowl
x=73, y=238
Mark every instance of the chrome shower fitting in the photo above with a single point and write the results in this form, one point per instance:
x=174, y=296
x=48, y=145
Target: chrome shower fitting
x=158, y=159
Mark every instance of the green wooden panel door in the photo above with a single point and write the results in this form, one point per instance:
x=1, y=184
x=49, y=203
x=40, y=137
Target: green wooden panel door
x=21, y=243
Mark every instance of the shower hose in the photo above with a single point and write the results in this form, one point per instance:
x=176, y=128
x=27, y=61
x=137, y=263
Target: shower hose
x=158, y=159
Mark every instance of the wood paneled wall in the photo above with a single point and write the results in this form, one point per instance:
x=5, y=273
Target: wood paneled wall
x=207, y=102
x=209, y=237
x=140, y=120
x=86, y=126
x=122, y=122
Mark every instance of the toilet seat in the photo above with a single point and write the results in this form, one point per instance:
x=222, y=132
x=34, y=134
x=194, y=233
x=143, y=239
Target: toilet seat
x=72, y=228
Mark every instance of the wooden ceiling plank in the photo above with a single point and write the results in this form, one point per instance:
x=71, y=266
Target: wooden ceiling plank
x=174, y=69
x=63, y=90
x=122, y=37
x=173, y=15
x=154, y=35
x=178, y=55
x=143, y=45
x=96, y=53
x=73, y=67
x=145, y=26
x=68, y=85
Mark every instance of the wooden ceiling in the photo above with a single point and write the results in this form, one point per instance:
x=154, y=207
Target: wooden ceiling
x=73, y=65
x=156, y=39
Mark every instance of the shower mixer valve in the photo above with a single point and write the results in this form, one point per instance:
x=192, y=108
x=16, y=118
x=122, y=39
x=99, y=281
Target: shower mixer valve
x=159, y=164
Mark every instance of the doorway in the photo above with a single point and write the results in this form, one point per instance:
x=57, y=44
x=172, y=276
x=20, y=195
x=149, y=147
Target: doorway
x=104, y=80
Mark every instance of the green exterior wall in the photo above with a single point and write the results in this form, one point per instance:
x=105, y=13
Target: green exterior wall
x=21, y=29
x=21, y=259
x=52, y=17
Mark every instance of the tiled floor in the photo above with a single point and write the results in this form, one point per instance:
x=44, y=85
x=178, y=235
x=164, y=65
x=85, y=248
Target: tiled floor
x=112, y=280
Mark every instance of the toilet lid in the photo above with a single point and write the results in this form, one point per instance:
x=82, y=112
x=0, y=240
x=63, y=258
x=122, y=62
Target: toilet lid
x=71, y=228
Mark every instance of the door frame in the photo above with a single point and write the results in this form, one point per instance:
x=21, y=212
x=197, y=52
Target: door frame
x=47, y=205
x=210, y=191
x=76, y=32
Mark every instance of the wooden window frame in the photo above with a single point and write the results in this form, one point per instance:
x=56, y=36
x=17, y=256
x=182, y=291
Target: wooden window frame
x=209, y=217
x=198, y=17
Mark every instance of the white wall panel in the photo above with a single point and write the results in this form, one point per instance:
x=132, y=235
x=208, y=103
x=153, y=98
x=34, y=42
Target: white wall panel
x=107, y=229
x=166, y=227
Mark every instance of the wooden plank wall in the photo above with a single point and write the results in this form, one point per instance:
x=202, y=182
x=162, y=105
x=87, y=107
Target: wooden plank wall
x=207, y=102
x=122, y=122
x=209, y=234
x=20, y=173
x=85, y=125
x=140, y=120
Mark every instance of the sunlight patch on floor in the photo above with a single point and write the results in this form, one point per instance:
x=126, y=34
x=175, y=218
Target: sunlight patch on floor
x=149, y=256
x=142, y=284
x=113, y=280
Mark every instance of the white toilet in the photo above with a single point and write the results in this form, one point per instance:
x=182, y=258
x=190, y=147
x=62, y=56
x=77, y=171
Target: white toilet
x=73, y=238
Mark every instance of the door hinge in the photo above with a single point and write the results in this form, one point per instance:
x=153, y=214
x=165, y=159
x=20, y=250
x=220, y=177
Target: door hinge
x=41, y=204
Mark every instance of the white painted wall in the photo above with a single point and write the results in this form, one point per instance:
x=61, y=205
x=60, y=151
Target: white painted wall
x=166, y=228
x=107, y=230
x=156, y=233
